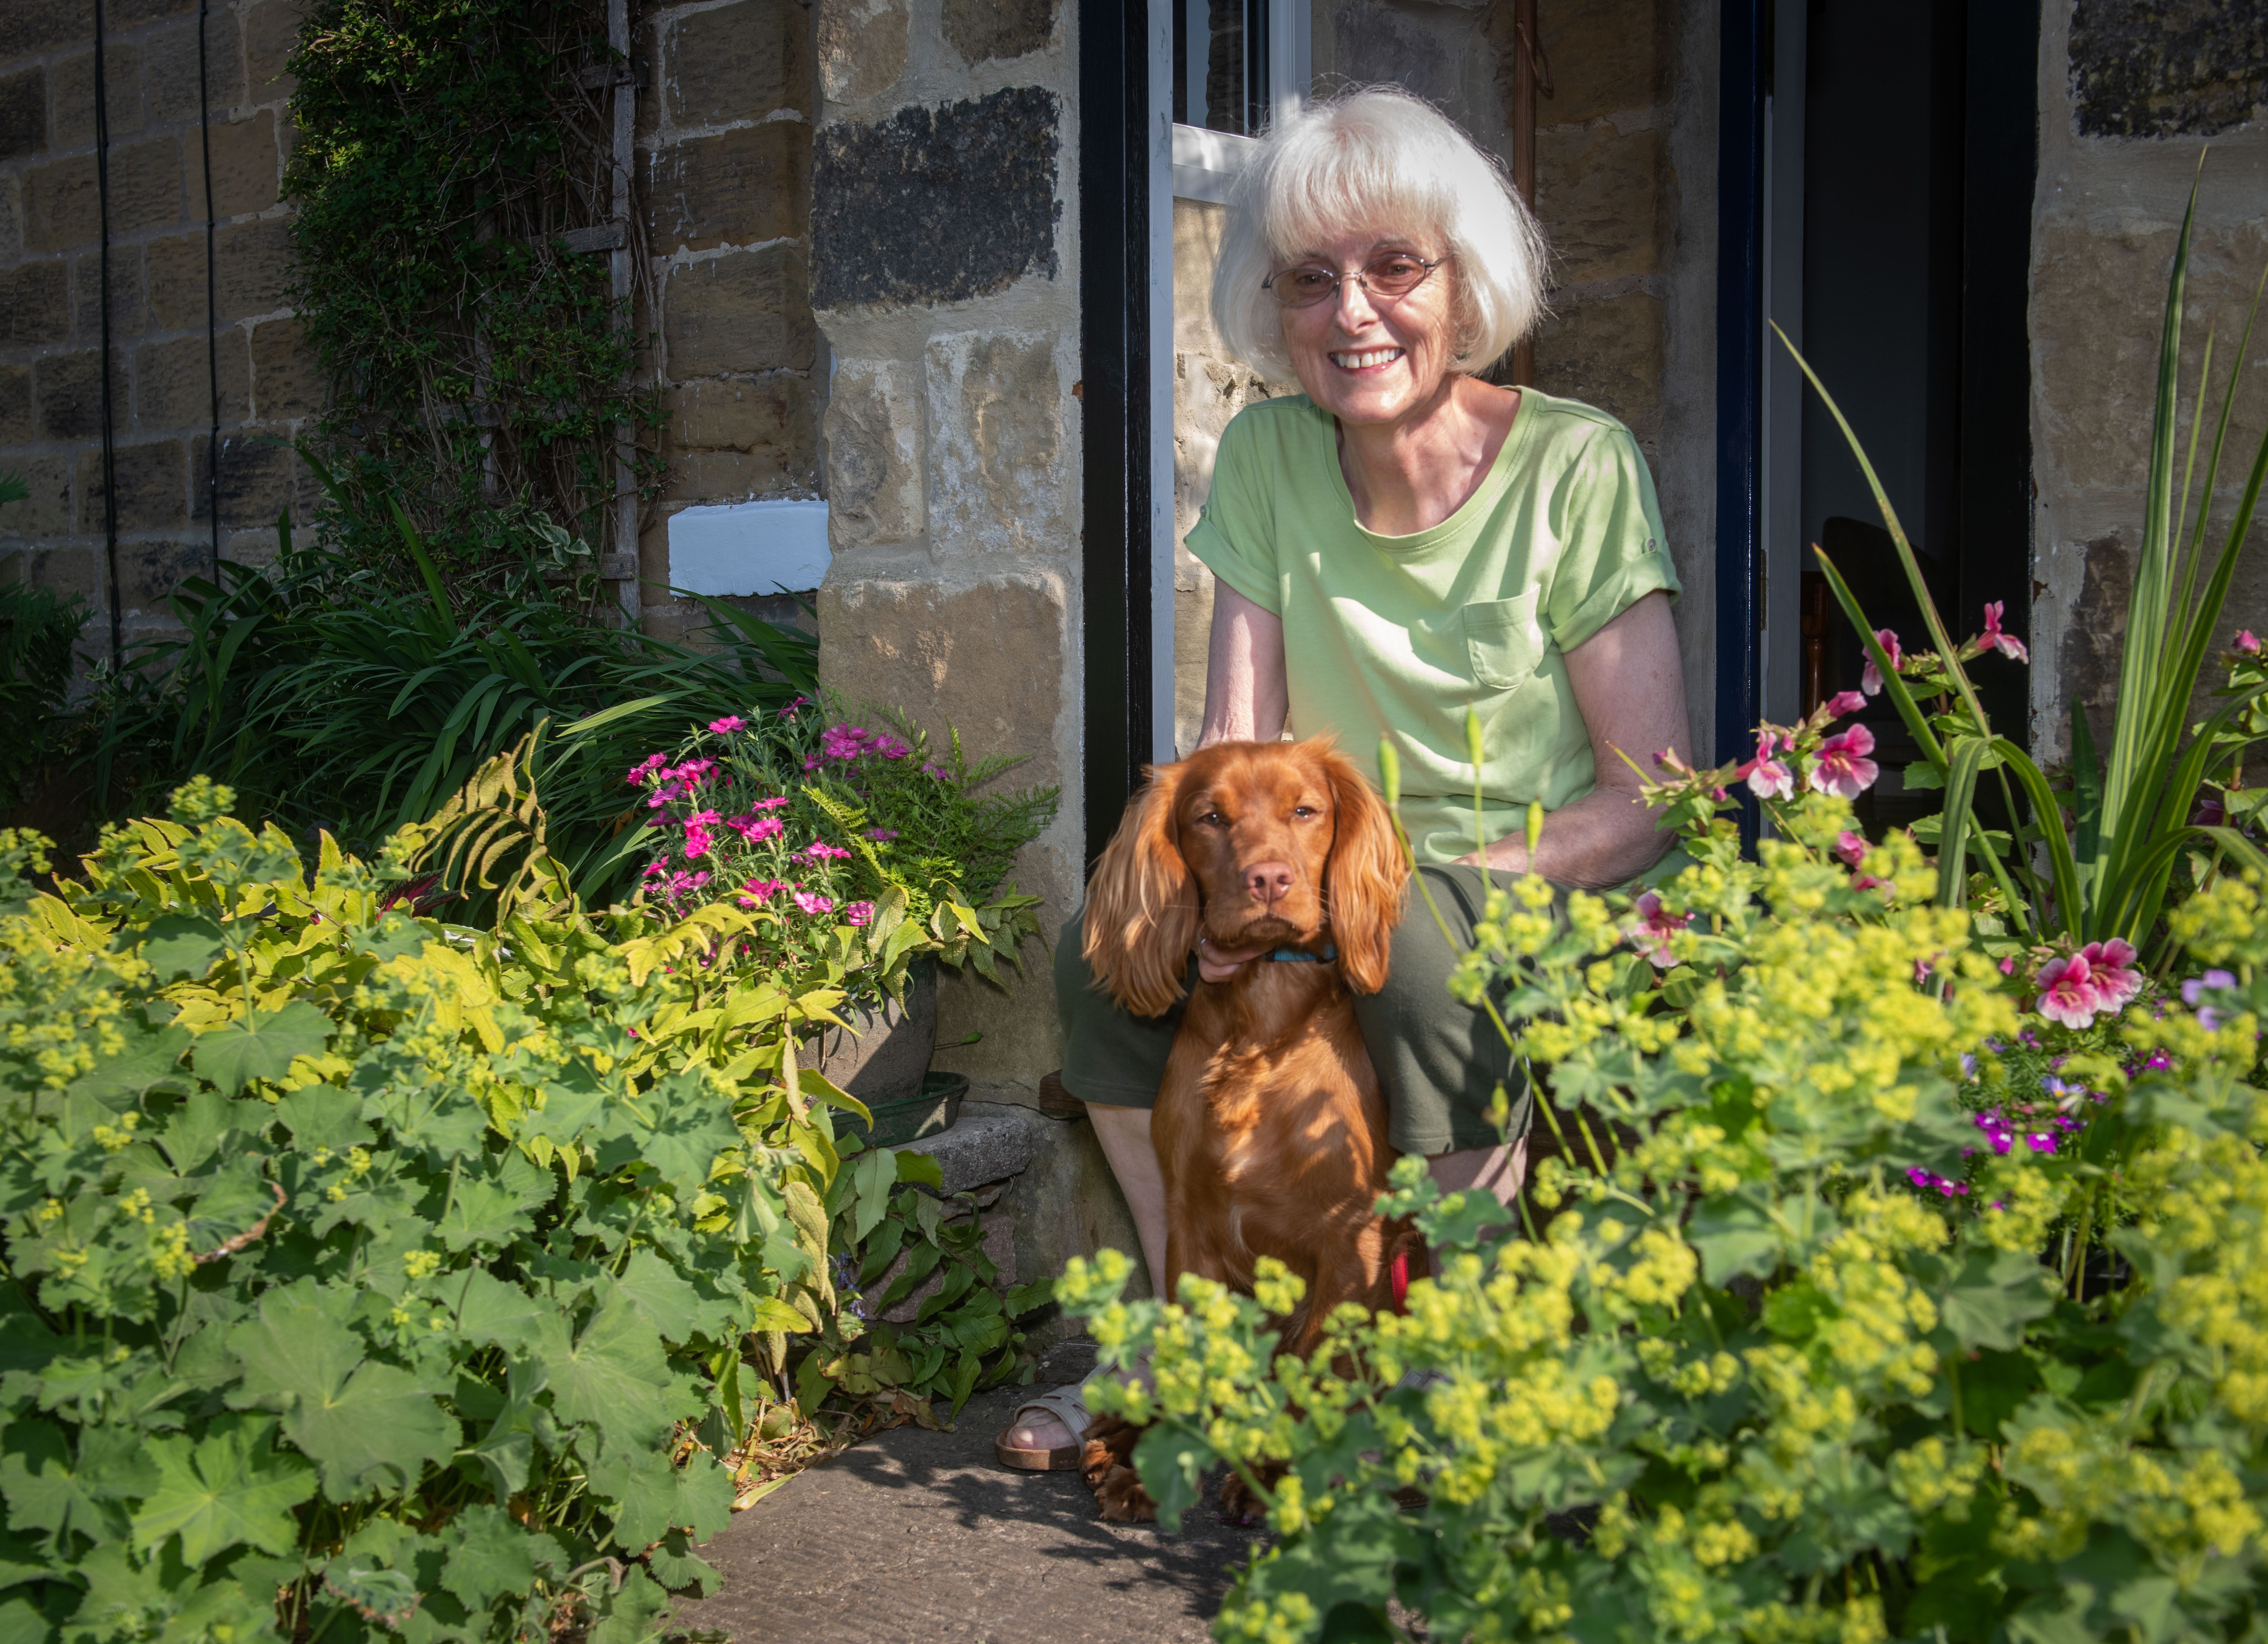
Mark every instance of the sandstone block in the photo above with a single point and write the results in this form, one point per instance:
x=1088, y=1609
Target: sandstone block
x=253, y=273
x=745, y=313
x=988, y=658
x=154, y=487
x=169, y=69
x=862, y=47
x=873, y=455
x=130, y=304
x=62, y=207
x=1004, y=29
x=46, y=512
x=271, y=30
x=999, y=450
x=67, y=389
x=27, y=29
x=150, y=571
x=2145, y=70
x=174, y=388
x=1602, y=196
x=287, y=382
x=258, y=477
x=1608, y=57
x=71, y=84
x=15, y=422
x=737, y=476
x=66, y=570
x=771, y=415
x=23, y=114
x=247, y=166
x=936, y=205
x=125, y=14
x=11, y=219
x=1067, y=1203
x=1609, y=354
x=35, y=304
x=738, y=187
x=736, y=62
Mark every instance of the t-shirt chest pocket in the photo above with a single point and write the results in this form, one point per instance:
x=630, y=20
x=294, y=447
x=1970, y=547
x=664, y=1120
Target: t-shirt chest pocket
x=1503, y=641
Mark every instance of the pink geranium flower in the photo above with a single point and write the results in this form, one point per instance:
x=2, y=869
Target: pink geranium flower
x=1844, y=702
x=2111, y=968
x=2067, y=992
x=727, y=725
x=1870, y=679
x=1651, y=931
x=2247, y=641
x=1768, y=778
x=2007, y=644
x=1843, y=767
x=812, y=902
x=1850, y=848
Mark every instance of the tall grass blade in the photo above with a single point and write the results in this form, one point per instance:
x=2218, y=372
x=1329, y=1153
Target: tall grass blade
x=1960, y=807
x=425, y=566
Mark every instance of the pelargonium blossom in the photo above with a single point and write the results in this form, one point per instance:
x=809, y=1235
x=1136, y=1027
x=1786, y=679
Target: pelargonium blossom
x=1844, y=702
x=2068, y=991
x=2247, y=641
x=1870, y=678
x=2112, y=969
x=1843, y=769
x=1850, y=847
x=1768, y=778
x=1651, y=931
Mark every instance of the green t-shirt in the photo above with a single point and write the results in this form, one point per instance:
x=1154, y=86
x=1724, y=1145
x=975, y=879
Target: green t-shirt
x=1396, y=636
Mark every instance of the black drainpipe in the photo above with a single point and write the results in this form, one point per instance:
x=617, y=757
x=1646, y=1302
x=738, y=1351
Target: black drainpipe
x=212, y=335
x=109, y=446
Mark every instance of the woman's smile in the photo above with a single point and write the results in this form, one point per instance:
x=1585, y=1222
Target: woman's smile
x=1366, y=359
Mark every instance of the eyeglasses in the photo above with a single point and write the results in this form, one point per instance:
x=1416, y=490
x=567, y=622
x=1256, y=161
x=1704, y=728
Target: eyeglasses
x=1394, y=274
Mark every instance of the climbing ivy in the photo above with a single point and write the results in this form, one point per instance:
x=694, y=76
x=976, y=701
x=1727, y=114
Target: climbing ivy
x=478, y=365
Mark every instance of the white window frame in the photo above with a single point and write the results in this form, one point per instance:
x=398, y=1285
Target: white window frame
x=1192, y=163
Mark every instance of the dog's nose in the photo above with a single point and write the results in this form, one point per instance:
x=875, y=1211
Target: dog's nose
x=1267, y=881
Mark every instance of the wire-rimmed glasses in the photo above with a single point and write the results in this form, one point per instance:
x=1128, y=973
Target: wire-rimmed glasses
x=1394, y=275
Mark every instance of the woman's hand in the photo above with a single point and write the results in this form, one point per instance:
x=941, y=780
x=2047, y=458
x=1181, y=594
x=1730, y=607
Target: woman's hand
x=1246, y=697
x=1629, y=688
x=1217, y=963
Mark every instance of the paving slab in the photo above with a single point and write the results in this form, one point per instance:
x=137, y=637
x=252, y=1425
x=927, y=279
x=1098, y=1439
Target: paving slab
x=920, y=1537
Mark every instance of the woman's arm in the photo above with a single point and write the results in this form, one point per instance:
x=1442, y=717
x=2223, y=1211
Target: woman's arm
x=1629, y=687
x=1246, y=698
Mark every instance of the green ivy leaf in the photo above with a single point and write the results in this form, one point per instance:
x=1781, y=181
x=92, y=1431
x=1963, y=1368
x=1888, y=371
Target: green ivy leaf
x=230, y=1488
x=261, y=1046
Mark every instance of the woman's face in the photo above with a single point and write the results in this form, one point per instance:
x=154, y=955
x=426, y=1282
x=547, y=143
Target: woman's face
x=1366, y=358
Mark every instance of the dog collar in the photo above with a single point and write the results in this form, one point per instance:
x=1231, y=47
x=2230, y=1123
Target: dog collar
x=1293, y=956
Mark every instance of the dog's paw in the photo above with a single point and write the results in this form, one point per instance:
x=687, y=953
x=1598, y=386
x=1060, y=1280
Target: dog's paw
x=1109, y=1443
x=1119, y=1492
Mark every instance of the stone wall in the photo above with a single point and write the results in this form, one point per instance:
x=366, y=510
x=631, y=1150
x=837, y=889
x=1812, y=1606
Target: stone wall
x=50, y=295
x=2131, y=91
x=944, y=260
x=725, y=106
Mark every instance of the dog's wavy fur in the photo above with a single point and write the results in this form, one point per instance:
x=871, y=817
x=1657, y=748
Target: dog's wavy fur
x=1270, y=1125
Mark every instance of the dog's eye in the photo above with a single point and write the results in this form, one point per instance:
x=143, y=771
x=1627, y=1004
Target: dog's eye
x=1303, y=810
x=1212, y=818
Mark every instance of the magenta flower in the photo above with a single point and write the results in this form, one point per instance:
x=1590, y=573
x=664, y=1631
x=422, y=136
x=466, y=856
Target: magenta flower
x=1850, y=848
x=697, y=841
x=727, y=725
x=768, y=805
x=2068, y=993
x=644, y=768
x=757, y=891
x=1651, y=931
x=702, y=818
x=1993, y=639
x=812, y=902
x=2111, y=968
x=1768, y=778
x=2247, y=641
x=845, y=742
x=753, y=829
x=1870, y=679
x=858, y=912
x=881, y=832
x=819, y=850
x=1844, y=702
x=1843, y=767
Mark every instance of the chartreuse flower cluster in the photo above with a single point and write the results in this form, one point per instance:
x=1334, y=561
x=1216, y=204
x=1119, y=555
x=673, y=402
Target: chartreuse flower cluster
x=357, y=1262
x=1747, y=1382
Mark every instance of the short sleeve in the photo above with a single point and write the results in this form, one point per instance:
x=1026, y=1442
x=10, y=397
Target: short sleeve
x=1235, y=537
x=1609, y=524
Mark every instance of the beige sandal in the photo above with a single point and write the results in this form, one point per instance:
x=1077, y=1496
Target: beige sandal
x=1065, y=1406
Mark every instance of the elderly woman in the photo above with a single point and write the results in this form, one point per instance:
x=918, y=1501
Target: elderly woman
x=1396, y=543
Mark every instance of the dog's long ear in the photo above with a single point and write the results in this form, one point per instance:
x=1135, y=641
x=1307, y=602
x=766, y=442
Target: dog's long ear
x=1142, y=904
x=1365, y=878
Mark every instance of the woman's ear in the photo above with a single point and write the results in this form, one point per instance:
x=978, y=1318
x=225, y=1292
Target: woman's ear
x=1365, y=877
x=1142, y=904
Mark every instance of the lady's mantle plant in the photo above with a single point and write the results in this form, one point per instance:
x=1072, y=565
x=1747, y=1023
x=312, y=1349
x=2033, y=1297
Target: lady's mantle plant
x=1765, y=1375
x=358, y=1263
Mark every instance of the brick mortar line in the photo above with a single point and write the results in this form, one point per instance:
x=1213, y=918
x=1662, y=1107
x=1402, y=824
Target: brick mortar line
x=237, y=116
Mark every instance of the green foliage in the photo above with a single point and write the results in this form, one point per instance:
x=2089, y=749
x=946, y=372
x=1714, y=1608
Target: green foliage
x=2112, y=860
x=1788, y=1365
x=441, y=150
x=331, y=700
x=361, y=1269
x=37, y=633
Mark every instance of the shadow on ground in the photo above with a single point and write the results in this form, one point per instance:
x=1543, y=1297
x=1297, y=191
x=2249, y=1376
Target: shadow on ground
x=914, y=1536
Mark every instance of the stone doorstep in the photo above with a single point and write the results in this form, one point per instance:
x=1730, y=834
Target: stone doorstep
x=1044, y=1193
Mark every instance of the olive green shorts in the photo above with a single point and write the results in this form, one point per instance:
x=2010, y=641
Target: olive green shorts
x=1439, y=1061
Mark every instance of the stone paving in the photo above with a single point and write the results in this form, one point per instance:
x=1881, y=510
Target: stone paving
x=919, y=1537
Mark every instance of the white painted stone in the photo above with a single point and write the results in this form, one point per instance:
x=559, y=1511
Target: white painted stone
x=749, y=547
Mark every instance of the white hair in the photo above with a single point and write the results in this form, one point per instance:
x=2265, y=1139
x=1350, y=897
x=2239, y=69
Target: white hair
x=1379, y=157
